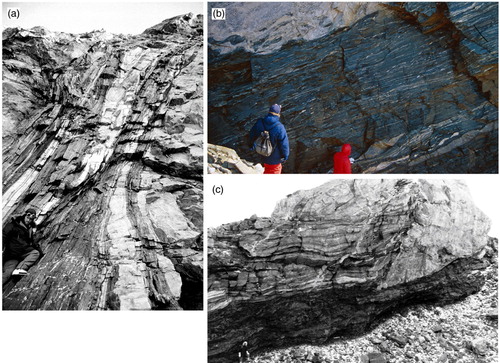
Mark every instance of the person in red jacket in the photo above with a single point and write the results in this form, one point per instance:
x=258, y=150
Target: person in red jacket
x=341, y=162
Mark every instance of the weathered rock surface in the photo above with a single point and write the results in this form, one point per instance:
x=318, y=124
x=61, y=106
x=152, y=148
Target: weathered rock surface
x=332, y=260
x=435, y=333
x=412, y=87
x=103, y=134
x=223, y=160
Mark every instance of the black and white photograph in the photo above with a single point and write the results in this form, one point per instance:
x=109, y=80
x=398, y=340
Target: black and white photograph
x=102, y=131
x=353, y=270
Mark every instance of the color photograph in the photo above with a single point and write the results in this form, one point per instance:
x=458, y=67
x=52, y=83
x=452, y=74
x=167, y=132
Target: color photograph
x=362, y=88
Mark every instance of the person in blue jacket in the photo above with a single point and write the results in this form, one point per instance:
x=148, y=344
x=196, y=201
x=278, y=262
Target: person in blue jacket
x=278, y=137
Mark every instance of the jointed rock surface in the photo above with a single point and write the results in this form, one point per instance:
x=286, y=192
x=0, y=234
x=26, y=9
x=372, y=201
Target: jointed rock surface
x=103, y=134
x=413, y=87
x=333, y=260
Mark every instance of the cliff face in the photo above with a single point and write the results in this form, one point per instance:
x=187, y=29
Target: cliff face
x=333, y=260
x=413, y=87
x=103, y=135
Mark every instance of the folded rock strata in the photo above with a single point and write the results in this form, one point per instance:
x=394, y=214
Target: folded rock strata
x=413, y=87
x=333, y=260
x=103, y=134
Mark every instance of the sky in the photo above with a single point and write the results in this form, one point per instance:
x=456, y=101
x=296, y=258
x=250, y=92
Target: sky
x=262, y=193
x=80, y=17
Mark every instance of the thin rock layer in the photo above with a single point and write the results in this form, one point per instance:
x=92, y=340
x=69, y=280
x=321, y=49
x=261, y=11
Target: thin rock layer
x=103, y=134
x=332, y=260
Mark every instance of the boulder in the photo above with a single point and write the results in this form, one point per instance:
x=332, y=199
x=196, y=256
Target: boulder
x=224, y=160
x=479, y=346
x=333, y=260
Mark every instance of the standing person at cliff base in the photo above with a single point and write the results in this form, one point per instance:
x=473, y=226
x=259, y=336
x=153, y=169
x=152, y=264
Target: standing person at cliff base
x=278, y=137
x=20, y=250
x=341, y=161
x=244, y=354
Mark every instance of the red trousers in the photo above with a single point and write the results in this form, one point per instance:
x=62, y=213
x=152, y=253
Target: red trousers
x=272, y=169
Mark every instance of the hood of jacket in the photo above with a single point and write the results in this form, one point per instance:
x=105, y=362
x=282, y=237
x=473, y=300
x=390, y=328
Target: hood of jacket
x=17, y=220
x=270, y=121
x=346, y=149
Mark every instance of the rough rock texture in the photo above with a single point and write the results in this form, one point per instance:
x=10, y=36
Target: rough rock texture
x=332, y=260
x=103, y=134
x=223, y=160
x=462, y=332
x=413, y=87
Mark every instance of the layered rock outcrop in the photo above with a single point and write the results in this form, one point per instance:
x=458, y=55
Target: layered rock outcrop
x=103, y=134
x=413, y=87
x=333, y=260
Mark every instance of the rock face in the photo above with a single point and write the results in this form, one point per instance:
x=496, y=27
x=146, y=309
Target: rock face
x=103, y=134
x=333, y=260
x=412, y=87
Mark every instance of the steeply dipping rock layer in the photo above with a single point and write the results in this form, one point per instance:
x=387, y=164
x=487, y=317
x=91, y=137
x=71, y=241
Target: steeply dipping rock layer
x=103, y=134
x=413, y=87
x=332, y=260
